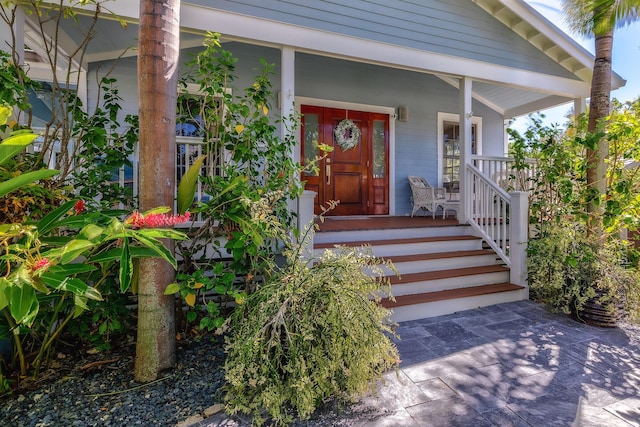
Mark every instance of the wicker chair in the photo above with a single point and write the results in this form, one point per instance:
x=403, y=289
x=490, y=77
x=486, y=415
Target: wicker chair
x=426, y=197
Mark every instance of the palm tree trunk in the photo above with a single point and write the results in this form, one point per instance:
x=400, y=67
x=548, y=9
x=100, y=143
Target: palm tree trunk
x=598, y=111
x=159, y=43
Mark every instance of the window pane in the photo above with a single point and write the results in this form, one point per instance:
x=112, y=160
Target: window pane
x=189, y=121
x=451, y=153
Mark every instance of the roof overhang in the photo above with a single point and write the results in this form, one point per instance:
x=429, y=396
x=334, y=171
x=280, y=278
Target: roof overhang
x=509, y=91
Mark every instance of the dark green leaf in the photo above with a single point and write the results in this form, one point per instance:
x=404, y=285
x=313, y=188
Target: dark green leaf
x=48, y=222
x=125, y=267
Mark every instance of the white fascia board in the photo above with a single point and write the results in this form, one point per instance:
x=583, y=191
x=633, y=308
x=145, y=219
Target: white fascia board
x=261, y=31
x=559, y=37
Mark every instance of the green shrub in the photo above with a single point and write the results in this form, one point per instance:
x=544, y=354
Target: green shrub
x=313, y=332
x=567, y=268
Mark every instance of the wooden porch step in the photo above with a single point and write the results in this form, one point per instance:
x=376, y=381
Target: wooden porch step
x=438, y=255
x=397, y=241
x=449, y=294
x=446, y=274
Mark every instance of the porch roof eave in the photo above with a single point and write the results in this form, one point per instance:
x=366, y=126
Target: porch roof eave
x=553, y=90
x=261, y=31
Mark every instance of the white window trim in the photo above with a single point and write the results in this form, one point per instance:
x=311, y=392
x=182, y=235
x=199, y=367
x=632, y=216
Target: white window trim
x=450, y=117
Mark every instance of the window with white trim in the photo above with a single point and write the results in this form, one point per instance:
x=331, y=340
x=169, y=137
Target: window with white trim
x=449, y=149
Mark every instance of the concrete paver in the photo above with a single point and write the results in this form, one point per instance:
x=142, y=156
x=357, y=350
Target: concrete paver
x=513, y=364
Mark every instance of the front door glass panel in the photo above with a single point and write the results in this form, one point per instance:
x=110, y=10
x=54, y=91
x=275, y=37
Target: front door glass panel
x=311, y=141
x=379, y=152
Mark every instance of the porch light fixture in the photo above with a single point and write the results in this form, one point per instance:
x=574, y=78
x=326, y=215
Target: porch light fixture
x=403, y=113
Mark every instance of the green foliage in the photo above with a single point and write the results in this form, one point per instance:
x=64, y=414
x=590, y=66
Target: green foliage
x=211, y=294
x=248, y=175
x=188, y=185
x=90, y=149
x=313, y=332
x=14, y=86
x=28, y=200
x=562, y=267
x=556, y=179
x=15, y=143
x=106, y=321
x=567, y=268
x=622, y=201
x=53, y=268
x=105, y=147
x=559, y=191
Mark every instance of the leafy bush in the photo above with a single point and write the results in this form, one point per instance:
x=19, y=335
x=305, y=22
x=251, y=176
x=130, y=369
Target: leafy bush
x=250, y=179
x=313, y=332
x=52, y=268
x=567, y=268
x=570, y=264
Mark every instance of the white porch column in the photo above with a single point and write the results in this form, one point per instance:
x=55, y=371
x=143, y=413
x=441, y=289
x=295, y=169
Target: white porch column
x=287, y=109
x=7, y=44
x=6, y=38
x=466, y=113
x=518, y=237
x=287, y=91
x=305, y=226
x=505, y=136
x=579, y=106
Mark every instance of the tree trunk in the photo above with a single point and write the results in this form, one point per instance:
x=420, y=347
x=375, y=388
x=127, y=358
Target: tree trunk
x=598, y=110
x=158, y=50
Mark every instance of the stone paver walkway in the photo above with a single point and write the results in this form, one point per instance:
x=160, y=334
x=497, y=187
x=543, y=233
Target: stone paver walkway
x=512, y=364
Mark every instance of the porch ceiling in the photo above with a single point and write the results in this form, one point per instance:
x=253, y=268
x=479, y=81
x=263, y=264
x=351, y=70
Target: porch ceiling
x=525, y=93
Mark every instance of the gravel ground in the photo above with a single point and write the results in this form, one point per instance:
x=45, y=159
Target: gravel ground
x=86, y=393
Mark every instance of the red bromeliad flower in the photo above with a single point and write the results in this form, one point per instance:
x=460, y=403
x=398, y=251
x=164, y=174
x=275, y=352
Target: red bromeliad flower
x=79, y=207
x=42, y=264
x=154, y=220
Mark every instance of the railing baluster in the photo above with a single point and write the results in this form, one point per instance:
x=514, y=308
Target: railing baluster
x=489, y=207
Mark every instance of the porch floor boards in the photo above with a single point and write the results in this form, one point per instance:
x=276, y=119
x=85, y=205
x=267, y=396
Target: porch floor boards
x=381, y=222
x=449, y=294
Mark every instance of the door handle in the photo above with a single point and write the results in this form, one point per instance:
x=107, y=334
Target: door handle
x=327, y=172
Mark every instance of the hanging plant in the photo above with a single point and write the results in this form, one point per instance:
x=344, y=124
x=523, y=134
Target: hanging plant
x=347, y=134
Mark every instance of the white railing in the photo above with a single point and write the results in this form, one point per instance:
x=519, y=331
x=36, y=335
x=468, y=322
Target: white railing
x=488, y=210
x=506, y=172
x=500, y=218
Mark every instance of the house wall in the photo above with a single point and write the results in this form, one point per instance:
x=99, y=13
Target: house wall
x=415, y=140
x=453, y=27
x=339, y=80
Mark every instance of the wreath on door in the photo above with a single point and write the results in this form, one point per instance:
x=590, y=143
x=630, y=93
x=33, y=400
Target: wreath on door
x=347, y=134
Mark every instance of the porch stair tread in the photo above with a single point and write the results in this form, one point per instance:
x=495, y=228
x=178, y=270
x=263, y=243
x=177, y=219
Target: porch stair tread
x=405, y=300
x=446, y=274
x=396, y=241
x=442, y=270
x=437, y=255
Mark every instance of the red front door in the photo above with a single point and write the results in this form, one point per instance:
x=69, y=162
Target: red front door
x=355, y=175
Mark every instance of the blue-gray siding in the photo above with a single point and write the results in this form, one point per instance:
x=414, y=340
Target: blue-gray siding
x=339, y=80
x=453, y=27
